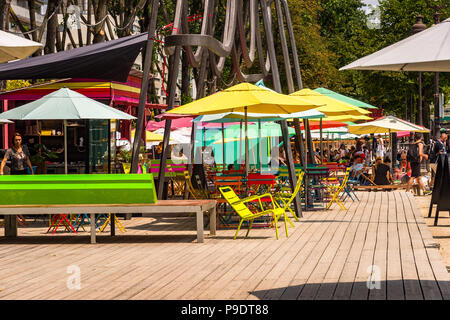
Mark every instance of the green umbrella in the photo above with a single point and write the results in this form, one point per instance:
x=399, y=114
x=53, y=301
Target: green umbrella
x=64, y=104
x=345, y=99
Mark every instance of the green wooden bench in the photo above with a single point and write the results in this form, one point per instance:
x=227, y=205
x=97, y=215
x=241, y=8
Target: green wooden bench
x=92, y=194
x=77, y=189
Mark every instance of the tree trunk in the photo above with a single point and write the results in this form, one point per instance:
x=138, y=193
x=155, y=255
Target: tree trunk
x=4, y=14
x=32, y=13
x=100, y=11
x=52, y=25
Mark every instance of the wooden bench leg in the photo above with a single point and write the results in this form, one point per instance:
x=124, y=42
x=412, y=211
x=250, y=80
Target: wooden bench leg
x=10, y=226
x=200, y=226
x=93, y=227
x=212, y=221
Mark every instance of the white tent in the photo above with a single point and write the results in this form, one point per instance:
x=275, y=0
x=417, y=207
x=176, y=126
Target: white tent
x=428, y=50
x=14, y=47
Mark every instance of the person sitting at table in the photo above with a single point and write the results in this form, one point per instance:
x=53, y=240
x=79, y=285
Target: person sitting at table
x=382, y=174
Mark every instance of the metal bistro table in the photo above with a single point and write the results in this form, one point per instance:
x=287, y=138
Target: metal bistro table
x=200, y=207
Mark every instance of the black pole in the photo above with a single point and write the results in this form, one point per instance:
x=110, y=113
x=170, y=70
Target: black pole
x=277, y=85
x=144, y=87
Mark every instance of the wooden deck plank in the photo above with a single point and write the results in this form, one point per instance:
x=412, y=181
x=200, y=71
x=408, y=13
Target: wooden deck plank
x=411, y=283
x=427, y=279
x=360, y=290
x=347, y=277
x=325, y=257
x=315, y=280
x=331, y=278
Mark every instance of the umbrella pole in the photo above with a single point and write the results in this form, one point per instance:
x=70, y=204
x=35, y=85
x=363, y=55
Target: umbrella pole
x=223, y=146
x=321, y=145
x=259, y=146
x=204, y=143
x=246, y=144
x=65, y=146
x=240, y=142
x=390, y=144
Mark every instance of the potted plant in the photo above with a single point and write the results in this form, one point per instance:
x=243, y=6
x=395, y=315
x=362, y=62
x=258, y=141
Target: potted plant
x=40, y=156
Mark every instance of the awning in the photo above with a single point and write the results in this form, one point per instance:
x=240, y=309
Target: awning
x=110, y=60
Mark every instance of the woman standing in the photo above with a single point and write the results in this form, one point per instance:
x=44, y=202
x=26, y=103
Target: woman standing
x=19, y=157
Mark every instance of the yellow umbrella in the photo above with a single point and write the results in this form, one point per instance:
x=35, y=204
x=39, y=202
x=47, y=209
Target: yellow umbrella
x=386, y=124
x=330, y=106
x=246, y=97
x=149, y=136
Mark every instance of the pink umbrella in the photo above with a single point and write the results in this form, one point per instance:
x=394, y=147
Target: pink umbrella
x=181, y=122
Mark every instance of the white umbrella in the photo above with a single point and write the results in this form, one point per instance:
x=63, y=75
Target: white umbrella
x=5, y=121
x=13, y=47
x=428, y=50
x=178, y=136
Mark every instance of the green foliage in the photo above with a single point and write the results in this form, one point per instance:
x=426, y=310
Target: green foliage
x=42, y=154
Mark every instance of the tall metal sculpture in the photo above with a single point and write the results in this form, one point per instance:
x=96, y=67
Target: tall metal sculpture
x=243, y=41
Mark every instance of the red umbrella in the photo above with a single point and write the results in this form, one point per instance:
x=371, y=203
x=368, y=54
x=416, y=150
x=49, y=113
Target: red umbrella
x=313, y=125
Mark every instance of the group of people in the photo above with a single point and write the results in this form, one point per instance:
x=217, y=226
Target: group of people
x=409, y=169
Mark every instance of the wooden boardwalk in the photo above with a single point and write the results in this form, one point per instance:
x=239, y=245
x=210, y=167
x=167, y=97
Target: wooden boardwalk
x=329, y=255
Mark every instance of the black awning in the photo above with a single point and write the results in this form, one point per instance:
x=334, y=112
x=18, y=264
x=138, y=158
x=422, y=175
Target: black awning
x=110, y=60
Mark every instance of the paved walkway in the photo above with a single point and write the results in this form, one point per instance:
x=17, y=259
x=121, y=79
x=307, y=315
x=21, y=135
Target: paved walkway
x=329, y=255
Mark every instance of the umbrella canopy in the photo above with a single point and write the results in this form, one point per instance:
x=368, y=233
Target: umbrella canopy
x=345, y=99
x=268, y=129
x=109, y=60
x=339, y=130
x=313, y=125
x=64, y=104
x=149, y=136
x=232, y=116
x=13, y=47
x=178, y=123
x=329, y=106
x=428, y=50
x=176, y=137
x=385, y=125
x=5, y=121
x=345, y=118
x=245, y=96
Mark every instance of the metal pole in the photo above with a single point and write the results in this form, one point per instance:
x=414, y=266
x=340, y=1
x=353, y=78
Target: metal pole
x=240, y=142
x=321, y=144
x=259, y=146
x=246, y=145
x=223, y=146
x=144, y=86
x=65, y=146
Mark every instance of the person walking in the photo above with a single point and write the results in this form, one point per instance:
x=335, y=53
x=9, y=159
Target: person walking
x=439, y=147
x=414, y=156
x=19, y=155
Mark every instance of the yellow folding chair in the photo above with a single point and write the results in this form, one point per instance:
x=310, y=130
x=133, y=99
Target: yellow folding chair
x=335, y=191
x=287, y=198
x=108, y=221
x=246, y=215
